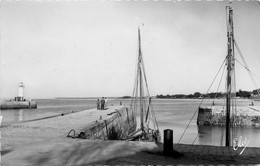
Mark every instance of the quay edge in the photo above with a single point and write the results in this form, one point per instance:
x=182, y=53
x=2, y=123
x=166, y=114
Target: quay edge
x=121, y=121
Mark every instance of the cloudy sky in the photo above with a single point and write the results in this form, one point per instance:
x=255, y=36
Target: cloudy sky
x=89, y=48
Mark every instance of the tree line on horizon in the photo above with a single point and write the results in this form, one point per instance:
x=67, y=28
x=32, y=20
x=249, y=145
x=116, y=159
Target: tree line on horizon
x=197, y=95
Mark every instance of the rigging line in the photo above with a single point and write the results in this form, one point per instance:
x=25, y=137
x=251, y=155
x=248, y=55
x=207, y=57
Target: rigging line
x=147, y=112
x=244, y=61
x=142, y=65
x=234, y=104
x=215, y=96
x=219, y=82
x=152, y=114
x=136, y=77
x=217, y=74
x=242, y=65
x=222, y=135
x=152, y=110
x=145, y=77
x=136, y=73
x=222, y=128
x=234, y=91
x=144, y=101
x=135, y=94
x=135, y=87
x=154, y=117
x=202, y=100
x=195, y=138
x=247, y=68
x=240, y=53
x=189, y=124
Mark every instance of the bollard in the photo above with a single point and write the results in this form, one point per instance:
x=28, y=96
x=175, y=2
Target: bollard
x=168, y=142
x=120, y=102
x=100, y=118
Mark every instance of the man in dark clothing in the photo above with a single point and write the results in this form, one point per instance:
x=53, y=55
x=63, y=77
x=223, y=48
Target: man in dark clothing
x=102, y=103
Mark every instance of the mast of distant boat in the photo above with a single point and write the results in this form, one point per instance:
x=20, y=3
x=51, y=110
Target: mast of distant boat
x=230, y=68
x=140, y=76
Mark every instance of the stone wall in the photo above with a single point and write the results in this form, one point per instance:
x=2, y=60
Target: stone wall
x=122, y=121
x=18, y=104
x=242, y=116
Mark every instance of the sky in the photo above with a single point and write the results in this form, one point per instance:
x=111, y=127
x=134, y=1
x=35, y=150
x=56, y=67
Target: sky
x=90, y=48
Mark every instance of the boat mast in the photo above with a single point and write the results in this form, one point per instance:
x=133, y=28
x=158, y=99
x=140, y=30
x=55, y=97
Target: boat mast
x=140, y=77
x=230, y=65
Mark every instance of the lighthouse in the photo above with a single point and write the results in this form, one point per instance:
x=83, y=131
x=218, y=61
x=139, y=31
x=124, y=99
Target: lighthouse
x=20, y=91
x=19, y=102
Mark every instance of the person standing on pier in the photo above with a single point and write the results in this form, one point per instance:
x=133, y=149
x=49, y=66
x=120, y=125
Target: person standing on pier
x=105, y=103
x=102, y=103
x=98, y=104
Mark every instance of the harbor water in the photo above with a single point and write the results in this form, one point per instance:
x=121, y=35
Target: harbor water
x=174, y=114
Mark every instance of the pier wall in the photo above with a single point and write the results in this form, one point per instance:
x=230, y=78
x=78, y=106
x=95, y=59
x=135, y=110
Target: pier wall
x=243, y=116
x=18, y=104
x=121, y=121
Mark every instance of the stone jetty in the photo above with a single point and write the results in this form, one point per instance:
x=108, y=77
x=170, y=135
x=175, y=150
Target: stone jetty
x=242, y=116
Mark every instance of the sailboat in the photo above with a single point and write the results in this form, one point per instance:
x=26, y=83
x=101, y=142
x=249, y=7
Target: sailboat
x=141, y=104
x=230, y=115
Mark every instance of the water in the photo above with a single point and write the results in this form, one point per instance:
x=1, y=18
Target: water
x=46, y=108
x=172, y=114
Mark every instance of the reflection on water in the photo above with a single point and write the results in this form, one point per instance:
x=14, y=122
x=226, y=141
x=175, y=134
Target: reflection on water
x=20, y=115
x=216, y=135
x=12, y=115
x=172, y=114
x=211, y=135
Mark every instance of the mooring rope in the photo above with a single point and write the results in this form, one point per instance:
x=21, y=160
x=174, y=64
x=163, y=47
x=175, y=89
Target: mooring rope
x=74, y=136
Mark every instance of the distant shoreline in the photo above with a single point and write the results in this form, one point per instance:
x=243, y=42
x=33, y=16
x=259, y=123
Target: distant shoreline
x=153, y=97
x=83, y=98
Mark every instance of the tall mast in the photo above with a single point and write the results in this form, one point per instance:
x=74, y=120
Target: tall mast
x=141, y=81
x=230, y=65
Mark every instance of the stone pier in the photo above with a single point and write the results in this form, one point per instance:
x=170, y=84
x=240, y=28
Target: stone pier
x=216, y=115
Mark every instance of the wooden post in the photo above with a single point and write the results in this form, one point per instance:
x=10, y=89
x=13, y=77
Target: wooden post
x=168, y=142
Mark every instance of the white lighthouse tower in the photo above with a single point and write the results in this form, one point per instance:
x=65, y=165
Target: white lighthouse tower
x=20, y=91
